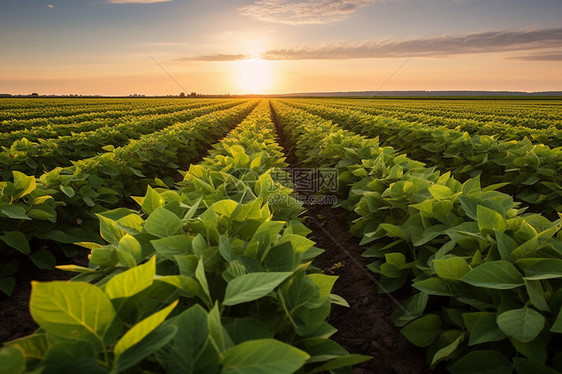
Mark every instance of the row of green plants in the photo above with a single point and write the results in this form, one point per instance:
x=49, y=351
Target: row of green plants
x=46, y=154
x=43, y=128
x=205, y=278
x=479, y=116
x=39, y=215
x=76, y=109
x=530, y=172
x=485, y=276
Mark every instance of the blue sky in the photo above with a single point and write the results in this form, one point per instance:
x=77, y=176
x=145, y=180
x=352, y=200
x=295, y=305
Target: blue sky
x=100, y=47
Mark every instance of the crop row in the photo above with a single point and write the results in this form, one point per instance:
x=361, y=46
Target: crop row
x=530, y=172
x=60, y=205
x=228, y=274
x=91, y=120
x=33, y=109
x=486, y=277
x=37, y=157
x=505, y=131
x=485, y=113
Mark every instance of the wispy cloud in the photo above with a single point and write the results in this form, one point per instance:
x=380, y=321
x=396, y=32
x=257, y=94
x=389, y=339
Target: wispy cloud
x=138, y=1
x=446, y=45
x=50, y=6
x=296, y=12
x=544, y=56
x=217, y=57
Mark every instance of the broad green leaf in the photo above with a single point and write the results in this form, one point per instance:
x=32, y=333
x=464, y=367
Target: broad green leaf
x=501, y=275
x=263, y=356
x=433, y=286
x=12, y=361
x=482, y=362
x=182, y=282
x=7, y=285
x=448, y=350
x=17, y=240
x=225, y=207
x=72, y=310
x=423, y=331
x=300, y=243
x=250, y=287
x=451, y=268
x=149, y=344
x=393, y=231
x=43, y=259
x=172, y=245
x=132, y=281
x=485, y=330
x=142, y=329
x=490, y=220
x=68, y=191
x=25, y=184
x=545, y=269
x=109, y=230
x=33, y=346
x=151, y=201
x=536, y=295
x=522, y=324
x=528, y=366
x=14, y=211
x=185, y=352
x=129, y=251
x=440, y=192
x=557, y=325
x=162, y=223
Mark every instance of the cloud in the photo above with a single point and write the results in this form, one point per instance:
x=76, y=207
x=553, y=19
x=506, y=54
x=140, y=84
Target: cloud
x=296, y=12
x=217, y=57
x=50, y=6
x=137, y=1
x=544, y=56
x=446, y=45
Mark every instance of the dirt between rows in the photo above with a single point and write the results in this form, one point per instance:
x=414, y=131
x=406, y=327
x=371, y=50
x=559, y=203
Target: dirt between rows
x=365, y=327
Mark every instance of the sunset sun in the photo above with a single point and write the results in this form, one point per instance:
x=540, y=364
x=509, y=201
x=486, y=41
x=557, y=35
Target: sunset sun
x=253, y=76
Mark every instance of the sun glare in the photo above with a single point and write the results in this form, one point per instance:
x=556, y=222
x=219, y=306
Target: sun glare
x=253, y=76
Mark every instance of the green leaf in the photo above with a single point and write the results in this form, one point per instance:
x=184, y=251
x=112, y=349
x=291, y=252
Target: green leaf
x=439, y=191
x=17, y=240
x=433, y=286
x=423, y=331
x=185, y=352
x=263, y=356
x=447, y=351
x=501, y=275
x=23, y=183
x=132, y=281
x=523, y=324
x=7, y=285
x=151, y=201
x=527, y=366
x=67, y=190
x=482, y=362
x=545, y=269
x=250, y=287
x=162, y=223
x=300, y=243
x=172, y=245
x=14, y=211
x=341, y=362
x=225, y=207
x=129, y=251
x=485, y=330
x=109, y=230
x=489, y=219
x=202, y=278
x=43, y=259
x=557, y=325
x=12, y=361
x=72, y=310
x=142, y=329
x=451, y=268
